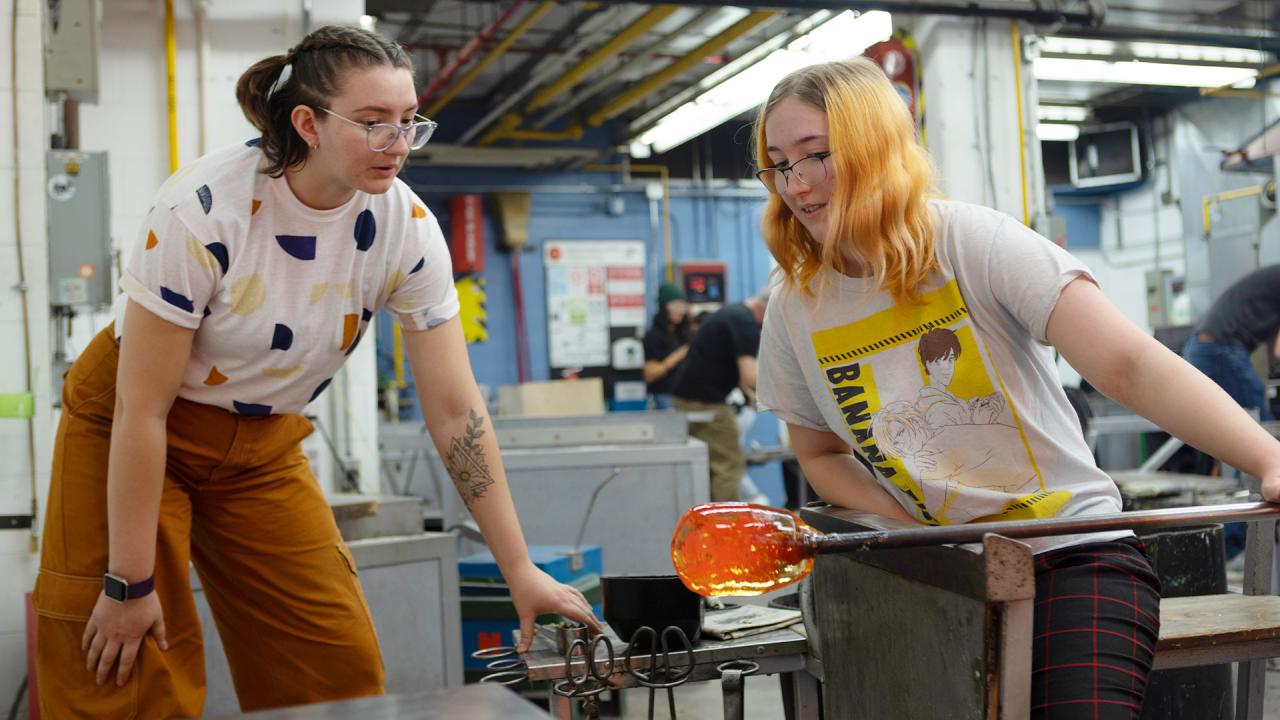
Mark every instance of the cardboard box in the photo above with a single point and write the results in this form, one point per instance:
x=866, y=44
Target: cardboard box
x=584, y=396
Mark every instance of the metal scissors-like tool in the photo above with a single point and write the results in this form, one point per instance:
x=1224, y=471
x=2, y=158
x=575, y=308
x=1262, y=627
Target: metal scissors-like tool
x=659, y=674
x=594, y=678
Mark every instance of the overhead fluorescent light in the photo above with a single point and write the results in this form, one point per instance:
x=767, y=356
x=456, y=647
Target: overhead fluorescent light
x=1199, y=53
x=1153, y=51
x=368, y=22
x=1063, y=113
x=1057, y=131
x=1143, y=73
x=842, y=37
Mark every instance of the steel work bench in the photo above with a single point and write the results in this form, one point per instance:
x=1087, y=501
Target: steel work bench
x=784, y=651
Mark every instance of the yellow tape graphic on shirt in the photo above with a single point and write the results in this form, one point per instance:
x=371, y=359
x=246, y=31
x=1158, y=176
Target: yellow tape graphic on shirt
x=841, y=353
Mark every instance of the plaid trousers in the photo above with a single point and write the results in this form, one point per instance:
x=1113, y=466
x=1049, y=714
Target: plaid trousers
x=1097, y=619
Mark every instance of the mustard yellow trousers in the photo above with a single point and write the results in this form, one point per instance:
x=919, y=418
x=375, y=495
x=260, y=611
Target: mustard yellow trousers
x=241, y=504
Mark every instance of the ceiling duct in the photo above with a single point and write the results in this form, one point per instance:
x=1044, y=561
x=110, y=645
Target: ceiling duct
x=1087, y=13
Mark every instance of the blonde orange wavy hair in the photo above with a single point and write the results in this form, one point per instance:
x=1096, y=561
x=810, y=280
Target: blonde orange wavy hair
x=884, y=179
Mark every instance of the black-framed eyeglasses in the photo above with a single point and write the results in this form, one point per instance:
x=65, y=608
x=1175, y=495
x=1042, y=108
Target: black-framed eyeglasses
x=809, y=170
x=380, y=136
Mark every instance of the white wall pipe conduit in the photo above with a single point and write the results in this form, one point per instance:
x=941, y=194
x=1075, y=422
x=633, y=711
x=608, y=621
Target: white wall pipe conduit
x=22, y=288
x=200, y=8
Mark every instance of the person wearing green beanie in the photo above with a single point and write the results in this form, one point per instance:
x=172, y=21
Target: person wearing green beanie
x=666, y=344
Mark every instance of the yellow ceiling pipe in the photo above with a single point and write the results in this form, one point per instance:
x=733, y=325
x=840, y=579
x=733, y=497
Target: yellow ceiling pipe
x=616, y=45
x=695, y=56
x=511, y=121
x=573, y=133
x=494, y=53
x=1228, y=91
x=171, y=83
x=1210, y=202
x=508, y=123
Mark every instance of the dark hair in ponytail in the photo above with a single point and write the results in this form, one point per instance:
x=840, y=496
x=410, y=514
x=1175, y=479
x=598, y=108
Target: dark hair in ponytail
x=317, y=65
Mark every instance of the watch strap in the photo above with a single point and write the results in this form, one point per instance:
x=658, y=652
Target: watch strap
x=120, y=590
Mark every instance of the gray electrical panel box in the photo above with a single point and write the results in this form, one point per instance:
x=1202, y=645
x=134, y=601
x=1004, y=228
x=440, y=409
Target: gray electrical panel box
x=72, y=32
x=80, y=253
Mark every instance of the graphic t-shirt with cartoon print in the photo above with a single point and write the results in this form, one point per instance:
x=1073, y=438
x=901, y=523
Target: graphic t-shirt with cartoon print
x=955, y=401
x=279, y=293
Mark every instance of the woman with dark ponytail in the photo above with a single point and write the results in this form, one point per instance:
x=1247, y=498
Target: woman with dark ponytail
x=255, y=274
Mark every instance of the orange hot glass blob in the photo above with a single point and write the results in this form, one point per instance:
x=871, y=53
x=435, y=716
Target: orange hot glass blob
x=738, y=548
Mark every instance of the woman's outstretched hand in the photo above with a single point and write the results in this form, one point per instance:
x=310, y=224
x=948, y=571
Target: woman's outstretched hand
x=535, y=593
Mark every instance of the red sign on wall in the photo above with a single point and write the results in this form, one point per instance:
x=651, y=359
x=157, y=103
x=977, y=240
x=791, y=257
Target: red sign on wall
x=466, y=233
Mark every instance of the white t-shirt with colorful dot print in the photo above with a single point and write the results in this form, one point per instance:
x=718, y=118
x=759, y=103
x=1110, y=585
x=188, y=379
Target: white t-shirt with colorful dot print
x=277, y=292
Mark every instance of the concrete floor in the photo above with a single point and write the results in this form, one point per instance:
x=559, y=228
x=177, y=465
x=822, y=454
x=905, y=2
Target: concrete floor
x=702, y=701
x=1272, y=704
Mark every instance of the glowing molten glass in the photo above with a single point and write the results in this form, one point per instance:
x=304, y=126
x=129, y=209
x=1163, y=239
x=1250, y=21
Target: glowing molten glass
x=741, y=549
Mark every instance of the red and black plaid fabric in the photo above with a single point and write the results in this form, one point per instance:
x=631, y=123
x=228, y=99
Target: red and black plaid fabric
x=1097, y=618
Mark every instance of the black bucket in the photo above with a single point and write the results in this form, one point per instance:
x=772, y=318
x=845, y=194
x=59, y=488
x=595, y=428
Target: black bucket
x=1189, y=561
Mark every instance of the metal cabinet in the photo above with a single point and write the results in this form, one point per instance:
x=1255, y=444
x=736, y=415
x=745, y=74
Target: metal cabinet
x=411, y=585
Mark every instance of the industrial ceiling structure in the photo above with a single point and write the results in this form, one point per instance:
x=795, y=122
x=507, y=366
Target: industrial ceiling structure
x=572, y=76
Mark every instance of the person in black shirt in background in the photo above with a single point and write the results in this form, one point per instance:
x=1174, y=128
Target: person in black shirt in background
x=722, y=356
x=666, y=344
x=1244, y=316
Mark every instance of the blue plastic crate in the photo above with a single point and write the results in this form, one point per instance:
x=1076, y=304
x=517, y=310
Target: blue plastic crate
x=558, y=561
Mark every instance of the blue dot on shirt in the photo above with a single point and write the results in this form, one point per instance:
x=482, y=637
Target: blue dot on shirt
x=366, y=228
x=320, y=388
x=302, y=247
x=177, y=300
x=251, y=408
x=421, y=261
x=282, y=339
x=206, y=198
x=219, y=251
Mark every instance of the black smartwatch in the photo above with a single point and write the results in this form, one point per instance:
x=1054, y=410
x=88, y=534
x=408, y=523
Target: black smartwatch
x=119, y=589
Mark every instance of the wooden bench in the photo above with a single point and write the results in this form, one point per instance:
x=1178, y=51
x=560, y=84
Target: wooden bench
x=1233, y=627
x=1210, y=629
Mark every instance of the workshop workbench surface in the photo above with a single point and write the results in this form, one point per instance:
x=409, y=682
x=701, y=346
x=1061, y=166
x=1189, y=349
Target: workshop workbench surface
x=789, y=643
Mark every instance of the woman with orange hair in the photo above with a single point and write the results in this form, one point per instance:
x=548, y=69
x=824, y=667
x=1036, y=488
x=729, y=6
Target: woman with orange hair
x=871, y=261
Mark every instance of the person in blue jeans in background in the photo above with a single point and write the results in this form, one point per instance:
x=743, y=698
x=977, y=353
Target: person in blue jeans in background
x=1245, y=316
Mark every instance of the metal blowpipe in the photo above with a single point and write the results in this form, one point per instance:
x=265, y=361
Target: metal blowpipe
x=951, y=534
x=745, y=549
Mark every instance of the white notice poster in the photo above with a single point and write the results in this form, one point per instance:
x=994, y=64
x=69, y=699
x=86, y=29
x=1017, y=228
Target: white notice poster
x=591, y=287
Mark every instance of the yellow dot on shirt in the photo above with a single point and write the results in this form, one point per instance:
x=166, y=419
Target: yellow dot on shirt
x=285, y=373
x=248, y=294
x=419, y=212
x=256, y=204
x=394, y=283
x=200, y=254
x=151, y=240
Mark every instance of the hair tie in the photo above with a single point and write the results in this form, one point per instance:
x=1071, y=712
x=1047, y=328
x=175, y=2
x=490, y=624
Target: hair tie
x=286, y=72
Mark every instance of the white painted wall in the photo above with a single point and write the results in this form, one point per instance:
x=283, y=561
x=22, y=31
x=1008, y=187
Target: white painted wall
x=23, y=170
x=971, y=117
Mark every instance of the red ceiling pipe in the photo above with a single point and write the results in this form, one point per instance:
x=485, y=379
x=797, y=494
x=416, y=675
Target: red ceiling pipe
x=484, y=37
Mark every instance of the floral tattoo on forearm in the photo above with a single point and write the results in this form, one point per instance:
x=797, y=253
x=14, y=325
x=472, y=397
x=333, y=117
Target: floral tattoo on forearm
x=465, y=461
